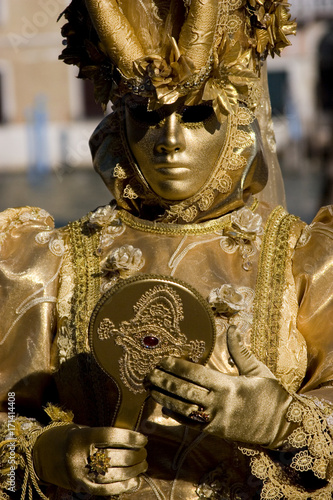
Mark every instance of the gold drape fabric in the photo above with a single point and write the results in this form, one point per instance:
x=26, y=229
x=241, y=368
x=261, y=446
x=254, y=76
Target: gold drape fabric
x=314, y=279
x=51, y=279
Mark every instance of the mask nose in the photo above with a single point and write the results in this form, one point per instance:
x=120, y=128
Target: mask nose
x=171, y=139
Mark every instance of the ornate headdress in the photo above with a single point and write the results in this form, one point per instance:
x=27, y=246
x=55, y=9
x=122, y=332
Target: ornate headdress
x=207, y=50
x=202, y=50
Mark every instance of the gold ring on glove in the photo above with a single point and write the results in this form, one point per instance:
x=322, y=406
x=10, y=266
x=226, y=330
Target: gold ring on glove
x=99, y=462
x=200, y=416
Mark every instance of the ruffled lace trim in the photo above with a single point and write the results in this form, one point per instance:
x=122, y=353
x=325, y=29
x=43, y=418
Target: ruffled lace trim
x=313, y=439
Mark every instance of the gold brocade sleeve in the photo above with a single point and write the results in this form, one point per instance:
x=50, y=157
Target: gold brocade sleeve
x=31, y=253
x=313, y=270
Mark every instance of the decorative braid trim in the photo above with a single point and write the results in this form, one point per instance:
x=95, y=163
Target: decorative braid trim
x=179, y=229
x=173, y=229
x=84, y=243
x=270, y=287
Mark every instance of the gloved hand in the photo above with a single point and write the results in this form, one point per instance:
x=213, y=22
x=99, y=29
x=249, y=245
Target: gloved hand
x=249, y=408
x=74, y=457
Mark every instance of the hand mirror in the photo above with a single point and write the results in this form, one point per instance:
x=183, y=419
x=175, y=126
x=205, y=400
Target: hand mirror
x=140, y=321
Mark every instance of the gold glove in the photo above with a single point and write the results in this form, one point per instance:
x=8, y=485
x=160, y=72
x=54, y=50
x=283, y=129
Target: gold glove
x=96, y=460
x=249, y=408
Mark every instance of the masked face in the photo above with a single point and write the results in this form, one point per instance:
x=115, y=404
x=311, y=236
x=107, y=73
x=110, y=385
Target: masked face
x=176, y=147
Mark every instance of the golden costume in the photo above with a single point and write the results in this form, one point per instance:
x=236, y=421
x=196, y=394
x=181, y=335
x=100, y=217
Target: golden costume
x=258, y=267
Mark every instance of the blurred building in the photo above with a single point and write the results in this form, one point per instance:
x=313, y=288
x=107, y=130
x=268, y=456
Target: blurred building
x=46, y=114
x=301, y=84
x=310, y=10
x=301, y=81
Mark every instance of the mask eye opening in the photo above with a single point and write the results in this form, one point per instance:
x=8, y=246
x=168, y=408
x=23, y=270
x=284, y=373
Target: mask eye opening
x=197, y=114
x=141, y=114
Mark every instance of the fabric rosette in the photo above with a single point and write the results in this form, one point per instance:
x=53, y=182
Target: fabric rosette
x=166, y=74
x=125, y=260
x=248, y=223
x=229, y=300
x=103, y=216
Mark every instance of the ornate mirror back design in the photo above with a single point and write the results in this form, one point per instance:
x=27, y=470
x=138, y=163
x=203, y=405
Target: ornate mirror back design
x=139, y=322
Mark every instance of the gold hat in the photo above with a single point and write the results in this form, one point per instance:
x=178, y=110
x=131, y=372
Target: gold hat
x=206, y=50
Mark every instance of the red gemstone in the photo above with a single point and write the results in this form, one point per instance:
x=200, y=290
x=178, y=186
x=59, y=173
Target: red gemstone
x=150, y=341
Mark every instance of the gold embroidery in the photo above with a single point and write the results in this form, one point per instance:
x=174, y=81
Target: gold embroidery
x=152, y=334
x=173, y=229
x=84, y=243
x=130, y=193
x=119, y=172
x=84, y=240
x=178, y=229
x=66, y=286
x=270, y=287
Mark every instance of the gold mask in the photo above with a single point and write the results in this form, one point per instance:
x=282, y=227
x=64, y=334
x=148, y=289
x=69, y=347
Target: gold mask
x=164, y=165
x=176, y=148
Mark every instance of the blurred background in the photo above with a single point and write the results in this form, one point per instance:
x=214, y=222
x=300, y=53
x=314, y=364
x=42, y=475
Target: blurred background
x=47, y=115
